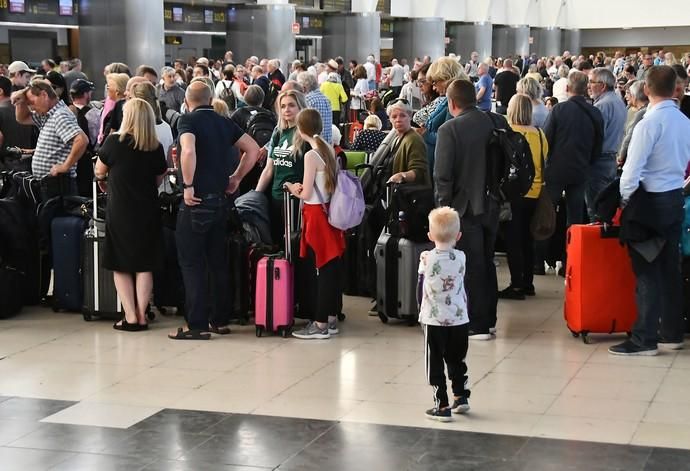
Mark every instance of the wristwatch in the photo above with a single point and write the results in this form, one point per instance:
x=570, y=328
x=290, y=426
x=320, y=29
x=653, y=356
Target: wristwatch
x=185, y=186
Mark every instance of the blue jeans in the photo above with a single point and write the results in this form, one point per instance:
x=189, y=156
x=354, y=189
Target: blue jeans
x=659, y=284
x=574, y=200
x=601, y=172
x=202, y=253
x=372, y=85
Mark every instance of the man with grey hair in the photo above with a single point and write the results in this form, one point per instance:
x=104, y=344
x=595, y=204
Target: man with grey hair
x=472, y=67
x=601, y=86
x=559, y=87
x=370, y=67
x=170, y=92
x=275, y=75
x=574, y=131
x=74, y=73
x=318, y=101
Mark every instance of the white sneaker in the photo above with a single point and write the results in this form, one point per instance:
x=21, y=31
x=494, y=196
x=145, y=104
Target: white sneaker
x=667, y=345
x=479, y=335
x=492, y=330
x=333, y=327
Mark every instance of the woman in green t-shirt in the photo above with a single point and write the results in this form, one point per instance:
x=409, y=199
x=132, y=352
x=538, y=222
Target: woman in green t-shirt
x=284, y=163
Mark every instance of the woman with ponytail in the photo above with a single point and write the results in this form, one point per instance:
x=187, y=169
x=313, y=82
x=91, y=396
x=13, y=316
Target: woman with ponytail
x=320, y=241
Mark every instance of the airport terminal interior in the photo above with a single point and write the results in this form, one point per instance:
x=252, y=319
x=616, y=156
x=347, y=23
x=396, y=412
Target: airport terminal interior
x=77, y=395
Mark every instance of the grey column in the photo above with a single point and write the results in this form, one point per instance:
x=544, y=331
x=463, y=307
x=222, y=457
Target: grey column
x=500, y=42
x=469, y=37
x=129, y=31
x=418, y=37
x=572, y=41
x=262, y=31
x=352, y=36
x=520, y=36
x=549, y=42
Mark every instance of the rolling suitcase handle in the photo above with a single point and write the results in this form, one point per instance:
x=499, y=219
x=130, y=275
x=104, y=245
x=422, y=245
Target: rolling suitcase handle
x=288, y=217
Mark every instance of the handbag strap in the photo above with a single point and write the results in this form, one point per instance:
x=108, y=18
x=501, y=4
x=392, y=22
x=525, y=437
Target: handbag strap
x=541, y=155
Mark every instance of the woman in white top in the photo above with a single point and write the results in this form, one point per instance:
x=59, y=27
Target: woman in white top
x=559, y=90
x=321, y=243
x=357, y=93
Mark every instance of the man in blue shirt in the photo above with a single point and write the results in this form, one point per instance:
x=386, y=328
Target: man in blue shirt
x=602, y=171
x=651, y=193
x=211, y=167
x=318, y=101
x=484, y=86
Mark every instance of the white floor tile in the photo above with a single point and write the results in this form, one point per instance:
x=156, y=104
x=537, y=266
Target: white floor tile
x=102, y=415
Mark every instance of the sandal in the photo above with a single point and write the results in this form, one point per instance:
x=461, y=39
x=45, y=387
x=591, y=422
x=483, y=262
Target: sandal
x=225, y=330
x=125, y=326
x=189, y=334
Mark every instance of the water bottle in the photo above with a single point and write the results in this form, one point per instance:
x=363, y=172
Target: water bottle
x=402, y=224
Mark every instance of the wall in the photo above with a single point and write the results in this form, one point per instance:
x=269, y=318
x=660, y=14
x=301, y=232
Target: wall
x=639, y=37
x=192, y=45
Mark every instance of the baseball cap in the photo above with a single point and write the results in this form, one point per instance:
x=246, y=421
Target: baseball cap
x=19, y=66
x=81, y=86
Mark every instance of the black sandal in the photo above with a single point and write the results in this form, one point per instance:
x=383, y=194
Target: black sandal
x=125, y=326
x=219, y=330
x=189, y=335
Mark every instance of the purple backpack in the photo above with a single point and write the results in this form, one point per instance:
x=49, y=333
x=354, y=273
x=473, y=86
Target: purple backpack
x=347, y=202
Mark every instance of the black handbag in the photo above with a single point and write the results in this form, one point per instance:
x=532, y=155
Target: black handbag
x=543, y=223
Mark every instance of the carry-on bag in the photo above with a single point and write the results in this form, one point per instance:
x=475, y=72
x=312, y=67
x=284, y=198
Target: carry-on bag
x=274, y=305
x=100, y=296
x=397, y=261
x=67, y=234
x=168, y=286
x=599, y=282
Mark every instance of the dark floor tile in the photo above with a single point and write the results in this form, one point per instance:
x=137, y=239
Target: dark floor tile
x=11, y=430
x=438, y=444
x=164, y=444
x=474, y=463
x=76, y=438
x=184, y=421
x=198, y=466
x=31, y=409
x=663, y=459
x=91, y=462
x=257, y=440
x=21, y=459
x=584, y=454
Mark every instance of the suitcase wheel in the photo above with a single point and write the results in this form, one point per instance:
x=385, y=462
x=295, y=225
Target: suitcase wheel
x=574, y=334
x=284, y=332
x=87, y=317
x=259, y=331
x=383, y=318
x=150, y=315
x=586, y=339
x=342, y=316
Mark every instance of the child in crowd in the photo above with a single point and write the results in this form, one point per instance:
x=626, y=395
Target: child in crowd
x=443, y=314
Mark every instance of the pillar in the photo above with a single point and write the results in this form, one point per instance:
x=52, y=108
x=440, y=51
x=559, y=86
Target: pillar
x=419, y=37
x=129, y=31
x=352, y=35
x=572, y=41
x=468, y=37
x=547, y=41
x=520, y=39
x=262, y=31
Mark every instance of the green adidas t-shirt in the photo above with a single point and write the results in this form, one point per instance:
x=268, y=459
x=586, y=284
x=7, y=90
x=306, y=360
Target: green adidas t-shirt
x=287, y=167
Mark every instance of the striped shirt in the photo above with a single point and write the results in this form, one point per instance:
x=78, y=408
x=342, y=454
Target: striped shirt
x=57, y=128
x=320, y=103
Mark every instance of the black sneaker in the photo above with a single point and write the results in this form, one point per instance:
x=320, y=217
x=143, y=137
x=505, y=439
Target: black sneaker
x=511, y=293
x=442, y=415
x=460, y=405
x=629, y=348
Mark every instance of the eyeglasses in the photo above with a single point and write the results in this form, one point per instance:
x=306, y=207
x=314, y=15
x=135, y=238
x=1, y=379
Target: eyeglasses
x=399, y=100
x=421, y=81
x=594, y=82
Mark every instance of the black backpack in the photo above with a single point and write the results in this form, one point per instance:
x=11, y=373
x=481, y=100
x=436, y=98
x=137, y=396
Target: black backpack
x=271, y=96
x=228, y=96
x=260, y=126
x=509, y=165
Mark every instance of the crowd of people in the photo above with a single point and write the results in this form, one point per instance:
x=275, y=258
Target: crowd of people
x=586, y=120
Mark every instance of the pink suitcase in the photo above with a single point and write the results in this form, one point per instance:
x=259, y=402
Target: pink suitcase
x=274, y=306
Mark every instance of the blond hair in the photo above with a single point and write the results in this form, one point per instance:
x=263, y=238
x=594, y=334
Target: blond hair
x=139, y=122
x=446, y=69
x=373, y=122
x=295, y=95
x=309, y=123
x=147, y=92
x=220, y=107
x=120, y=82
x=520, y=110
x=444, y=224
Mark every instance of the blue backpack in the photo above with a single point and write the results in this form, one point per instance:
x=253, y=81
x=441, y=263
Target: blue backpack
x=685, y=236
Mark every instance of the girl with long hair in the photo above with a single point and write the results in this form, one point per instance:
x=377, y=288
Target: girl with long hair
x=320, y=242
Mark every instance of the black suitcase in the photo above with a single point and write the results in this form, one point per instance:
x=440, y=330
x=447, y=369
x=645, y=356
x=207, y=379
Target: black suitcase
x=168, y=285
x=686, y=292
x=67, y=234
x=11, y=281
x=100, y=296
x=238, y=267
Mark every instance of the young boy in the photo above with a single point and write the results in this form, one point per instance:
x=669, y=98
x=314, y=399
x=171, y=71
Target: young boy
x=443, y=314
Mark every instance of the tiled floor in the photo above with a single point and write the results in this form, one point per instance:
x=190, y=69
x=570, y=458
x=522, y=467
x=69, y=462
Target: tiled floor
x=534, y=380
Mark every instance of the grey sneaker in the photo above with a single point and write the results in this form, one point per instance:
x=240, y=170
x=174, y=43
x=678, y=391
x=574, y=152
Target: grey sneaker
x=312, y=331
x=333, y=326
x=460, y=405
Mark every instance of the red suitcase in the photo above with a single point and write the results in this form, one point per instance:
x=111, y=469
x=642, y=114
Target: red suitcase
x=599, y=282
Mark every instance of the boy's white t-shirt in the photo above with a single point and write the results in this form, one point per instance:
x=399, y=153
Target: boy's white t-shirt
x=444, y=301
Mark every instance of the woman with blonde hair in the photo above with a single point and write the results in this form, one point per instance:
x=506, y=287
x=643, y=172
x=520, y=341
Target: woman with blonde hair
x=284, y=163
x=370, y=138
x=320, y=241
x=533, y=89
x=116, y=85
x=519, y=240
x=441, y=73
x=133, y=162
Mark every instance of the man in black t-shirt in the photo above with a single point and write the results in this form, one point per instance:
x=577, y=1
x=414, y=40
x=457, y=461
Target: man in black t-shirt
x=211, y=167
x=12, y=133
x=505, y=85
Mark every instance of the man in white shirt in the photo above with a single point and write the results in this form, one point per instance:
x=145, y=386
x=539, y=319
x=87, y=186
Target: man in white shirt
x=396, y=77
x=370, y=67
